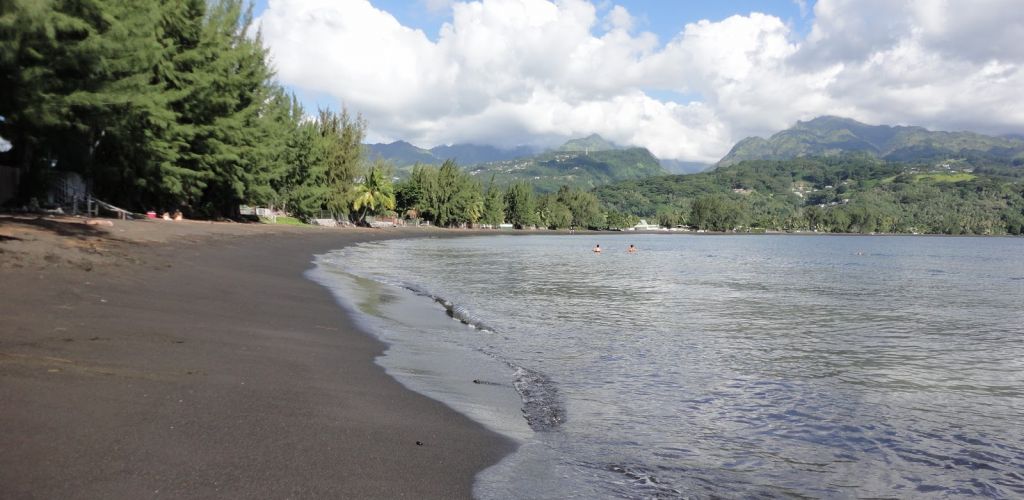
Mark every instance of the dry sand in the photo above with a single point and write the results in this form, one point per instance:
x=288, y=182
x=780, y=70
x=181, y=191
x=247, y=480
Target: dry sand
x=193, y=360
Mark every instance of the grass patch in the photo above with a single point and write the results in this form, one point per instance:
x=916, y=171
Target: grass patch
x=944, y=177
x=283, y=219
x=948, y=177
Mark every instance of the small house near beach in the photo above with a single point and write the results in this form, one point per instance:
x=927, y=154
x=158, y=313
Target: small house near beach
x=644, y=226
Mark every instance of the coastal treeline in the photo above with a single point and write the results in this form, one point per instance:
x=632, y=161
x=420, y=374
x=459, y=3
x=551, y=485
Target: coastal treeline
x=165, y=105
x=851, y=193
x=449, y=196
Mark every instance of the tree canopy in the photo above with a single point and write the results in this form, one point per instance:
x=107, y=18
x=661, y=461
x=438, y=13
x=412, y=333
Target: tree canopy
x=164, y=105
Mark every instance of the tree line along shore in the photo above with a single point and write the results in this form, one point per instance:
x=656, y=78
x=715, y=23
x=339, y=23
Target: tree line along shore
x=170, y=106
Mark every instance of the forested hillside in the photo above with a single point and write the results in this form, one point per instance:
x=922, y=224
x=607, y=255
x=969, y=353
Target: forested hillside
x=579, y=169
x=832, y=194
x=580, y=163
x=403, y=155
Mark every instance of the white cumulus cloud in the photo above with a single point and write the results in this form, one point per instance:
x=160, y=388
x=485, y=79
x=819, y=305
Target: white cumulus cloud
x=511, y=72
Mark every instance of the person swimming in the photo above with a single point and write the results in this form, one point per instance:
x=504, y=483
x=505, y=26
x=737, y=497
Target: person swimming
x=631, y=249
x=597, y=248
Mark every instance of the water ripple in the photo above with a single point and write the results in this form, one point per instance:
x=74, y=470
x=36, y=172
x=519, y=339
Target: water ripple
x=748, y=366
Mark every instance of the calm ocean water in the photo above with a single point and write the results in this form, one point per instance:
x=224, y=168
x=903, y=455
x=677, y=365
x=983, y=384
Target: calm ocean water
x=732, y=366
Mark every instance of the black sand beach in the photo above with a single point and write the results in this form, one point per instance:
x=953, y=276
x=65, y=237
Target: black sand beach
x=194, y=360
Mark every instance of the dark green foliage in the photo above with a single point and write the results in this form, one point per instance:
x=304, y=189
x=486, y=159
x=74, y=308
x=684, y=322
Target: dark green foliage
x=568, y=207
x=671, y=217
x=342, y=139
x=411, y=193
x=163, y=105
x=447, y=196
x=521, y=205
x=494, y=205
x=79, y=90
x=619, y=220
x=714, y=212
x=302, y=189
x=552, y=213
x=583, y=207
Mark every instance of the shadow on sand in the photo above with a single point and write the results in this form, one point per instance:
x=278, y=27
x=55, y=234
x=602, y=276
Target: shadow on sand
x=60, y=228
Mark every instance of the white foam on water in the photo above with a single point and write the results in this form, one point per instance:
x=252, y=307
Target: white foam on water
x=424, y=353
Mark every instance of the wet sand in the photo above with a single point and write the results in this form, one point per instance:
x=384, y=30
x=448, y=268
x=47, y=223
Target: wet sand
x=155, y=358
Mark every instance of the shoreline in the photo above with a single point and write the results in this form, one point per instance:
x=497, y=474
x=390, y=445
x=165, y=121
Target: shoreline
x=197, y=360
x=424, y=350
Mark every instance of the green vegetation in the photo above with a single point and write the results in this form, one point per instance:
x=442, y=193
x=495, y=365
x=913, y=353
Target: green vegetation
x=581, y=163
x=548, y=172
x=375, y=193
x=446, y=196
x=172, y=106
x=521, y=205
x=165, y=106
x=945, y=177
x=449, y=196
x=851, y=193
x=283, y=219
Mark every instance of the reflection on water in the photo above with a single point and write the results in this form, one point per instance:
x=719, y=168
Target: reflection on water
x=735, y=366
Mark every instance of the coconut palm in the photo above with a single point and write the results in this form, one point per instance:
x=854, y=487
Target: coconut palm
x=375, y=193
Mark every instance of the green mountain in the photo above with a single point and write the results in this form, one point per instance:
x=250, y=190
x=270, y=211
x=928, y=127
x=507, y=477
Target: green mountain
x=471, y=154
x=591, y=143
x=832, y=136
x=402, y=154
x=583, y=163
x=844, y=193
x=580, y=169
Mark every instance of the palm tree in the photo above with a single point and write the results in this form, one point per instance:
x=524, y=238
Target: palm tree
x=375, y=192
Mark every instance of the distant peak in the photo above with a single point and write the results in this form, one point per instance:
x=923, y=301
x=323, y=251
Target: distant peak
x=831, y=118
x=592, y=142
x=830, y=121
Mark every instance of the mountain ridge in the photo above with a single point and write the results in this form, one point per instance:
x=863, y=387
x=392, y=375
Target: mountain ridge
x=590, y=143
x=584, y=162
x=832, y=136
x=403, y=153
x=580, y=169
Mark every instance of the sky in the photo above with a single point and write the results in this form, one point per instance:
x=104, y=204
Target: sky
x=685, y=79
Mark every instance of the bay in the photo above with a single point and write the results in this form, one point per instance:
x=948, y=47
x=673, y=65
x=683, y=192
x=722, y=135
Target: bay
x=772, y=365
